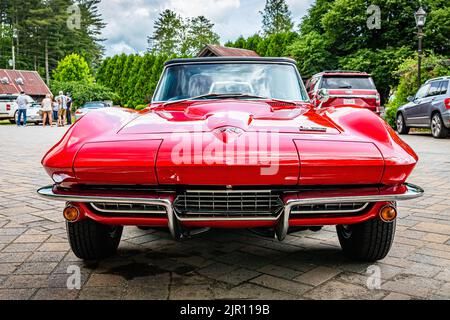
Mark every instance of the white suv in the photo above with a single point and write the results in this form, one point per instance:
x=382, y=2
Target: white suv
x=8, y=106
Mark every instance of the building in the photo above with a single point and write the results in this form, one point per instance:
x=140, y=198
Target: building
x=212, y=50
x=14, y=81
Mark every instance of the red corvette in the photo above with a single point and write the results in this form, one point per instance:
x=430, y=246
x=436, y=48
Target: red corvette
x=231, y=143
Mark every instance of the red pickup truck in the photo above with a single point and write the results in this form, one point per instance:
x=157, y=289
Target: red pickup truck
x=345, y=87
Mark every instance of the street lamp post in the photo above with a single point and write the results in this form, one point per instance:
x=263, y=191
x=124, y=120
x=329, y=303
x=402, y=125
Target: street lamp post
x=421, y=17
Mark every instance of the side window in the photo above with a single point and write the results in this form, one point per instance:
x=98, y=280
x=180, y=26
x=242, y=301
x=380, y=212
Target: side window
x=444, y=87
x=422, y=93
x=435, y=88
x=317, y=85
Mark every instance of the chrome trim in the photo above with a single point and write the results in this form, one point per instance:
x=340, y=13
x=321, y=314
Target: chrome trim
x=352, y=96
x=227, y=218
x=126, y=211
x=412, y=192
x=331, y=211
x=47, y=192
x=283, y=218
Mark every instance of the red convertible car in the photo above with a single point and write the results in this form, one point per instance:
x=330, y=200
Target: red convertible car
x=231, y=143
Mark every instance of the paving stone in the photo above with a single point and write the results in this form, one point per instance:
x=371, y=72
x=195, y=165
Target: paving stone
x=317, y=276
x=36, y=268
x=16, y=294
x=238, y=276
x=336, y=290
x=55, y=294
x=279, y=271
x=281, y=284
x=412, y=285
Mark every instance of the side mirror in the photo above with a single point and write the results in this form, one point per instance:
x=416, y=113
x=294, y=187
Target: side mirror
x=323, y=96
x=410, y=99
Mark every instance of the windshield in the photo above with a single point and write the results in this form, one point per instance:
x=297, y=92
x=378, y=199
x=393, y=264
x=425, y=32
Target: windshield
x=276, y=81
x=93, y=105
x=348, y=83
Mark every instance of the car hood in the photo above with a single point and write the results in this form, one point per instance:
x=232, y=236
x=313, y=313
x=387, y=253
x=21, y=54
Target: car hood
x=249, y=116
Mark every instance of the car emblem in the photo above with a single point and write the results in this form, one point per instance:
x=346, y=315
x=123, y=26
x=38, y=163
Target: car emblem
x=227, y=134
x=315, y=129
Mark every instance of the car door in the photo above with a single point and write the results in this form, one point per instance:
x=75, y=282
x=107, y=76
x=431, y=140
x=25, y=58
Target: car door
x=413, y=112
x=428, y=101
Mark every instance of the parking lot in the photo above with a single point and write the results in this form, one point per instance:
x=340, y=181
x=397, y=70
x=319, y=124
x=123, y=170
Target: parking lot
x=221, y=264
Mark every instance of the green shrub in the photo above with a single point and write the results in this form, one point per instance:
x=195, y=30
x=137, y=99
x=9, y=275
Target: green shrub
x=82, y=92
x=140, y=107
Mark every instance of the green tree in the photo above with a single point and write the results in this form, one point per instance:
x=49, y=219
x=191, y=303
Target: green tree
x=199, y=34
x=276, y=17
x=168, y=34
x=312, y=54
x=73, y=68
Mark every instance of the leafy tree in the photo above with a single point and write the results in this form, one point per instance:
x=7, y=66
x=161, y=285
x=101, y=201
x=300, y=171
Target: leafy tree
x=276, y=17
x=73, y=68
x=312, y=54
x=381, y=64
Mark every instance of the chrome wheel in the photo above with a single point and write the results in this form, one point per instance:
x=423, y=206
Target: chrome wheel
x=436, y=125
x=399, y=123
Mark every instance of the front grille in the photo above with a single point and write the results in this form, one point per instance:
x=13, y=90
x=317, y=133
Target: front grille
x=231, y=204
x=332, y=208
x=128, y=208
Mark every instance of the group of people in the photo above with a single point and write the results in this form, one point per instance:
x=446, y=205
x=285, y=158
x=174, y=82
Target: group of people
x=56, y=109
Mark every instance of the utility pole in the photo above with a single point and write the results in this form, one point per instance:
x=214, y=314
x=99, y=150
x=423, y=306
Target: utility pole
x=13, y=51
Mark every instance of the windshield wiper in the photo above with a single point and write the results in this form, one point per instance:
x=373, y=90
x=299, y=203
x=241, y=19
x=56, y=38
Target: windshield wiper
x=227, y=96
x=345, y=87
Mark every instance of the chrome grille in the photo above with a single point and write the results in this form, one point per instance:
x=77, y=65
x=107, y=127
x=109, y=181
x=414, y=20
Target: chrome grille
x=128, y=208
x=324, y=208
x=228, y=204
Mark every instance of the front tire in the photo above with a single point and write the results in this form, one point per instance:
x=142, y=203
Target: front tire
x=91, y=240
x=438, y=128
x=367, y=241
x=401, y=125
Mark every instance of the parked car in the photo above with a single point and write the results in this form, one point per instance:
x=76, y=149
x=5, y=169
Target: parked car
x=88, y=107
x=345, y=87
x=34, y=114
x=429, y=108
x=264, y=158
x=8, y=106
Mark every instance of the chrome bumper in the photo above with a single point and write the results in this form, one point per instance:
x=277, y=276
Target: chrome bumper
x=290, y=199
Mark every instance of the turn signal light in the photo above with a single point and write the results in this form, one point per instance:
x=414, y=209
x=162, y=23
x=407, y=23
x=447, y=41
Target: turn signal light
x=71, y=214
x=388, y=214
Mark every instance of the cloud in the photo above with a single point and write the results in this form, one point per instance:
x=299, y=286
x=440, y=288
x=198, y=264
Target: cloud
x=129, y=22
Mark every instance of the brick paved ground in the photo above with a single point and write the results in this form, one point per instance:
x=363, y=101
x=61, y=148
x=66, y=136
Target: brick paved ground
x=34, y=254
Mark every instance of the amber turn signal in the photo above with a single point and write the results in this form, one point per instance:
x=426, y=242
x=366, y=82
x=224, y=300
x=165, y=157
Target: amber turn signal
x=71, y=214
x=388, y=214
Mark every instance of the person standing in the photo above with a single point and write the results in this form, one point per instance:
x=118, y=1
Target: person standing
x=62, y=107
x=69, y=108
x=55, y=109
x=47, y=110
x=21, y=109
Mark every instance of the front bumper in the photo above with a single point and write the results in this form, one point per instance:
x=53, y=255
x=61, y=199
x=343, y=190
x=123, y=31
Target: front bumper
x=282, y=221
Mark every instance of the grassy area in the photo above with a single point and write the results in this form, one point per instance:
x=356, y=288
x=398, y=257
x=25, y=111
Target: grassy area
x=4, y=122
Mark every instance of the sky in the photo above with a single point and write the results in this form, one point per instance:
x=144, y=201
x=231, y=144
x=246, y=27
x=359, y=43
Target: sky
x=129, y=22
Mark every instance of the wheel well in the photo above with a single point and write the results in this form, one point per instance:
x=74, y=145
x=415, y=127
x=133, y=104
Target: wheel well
x=434, y=112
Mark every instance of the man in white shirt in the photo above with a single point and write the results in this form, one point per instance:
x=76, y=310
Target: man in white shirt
x=21, y=109
x=62, y=101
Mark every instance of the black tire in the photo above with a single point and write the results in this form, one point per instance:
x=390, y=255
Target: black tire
x=438, y=129
x=401, y=126
x=367, y=241
x=91, y=240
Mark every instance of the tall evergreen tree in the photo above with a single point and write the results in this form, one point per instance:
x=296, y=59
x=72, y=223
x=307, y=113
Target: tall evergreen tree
x=199, y=34
x=276, y=17
x=168, y=33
